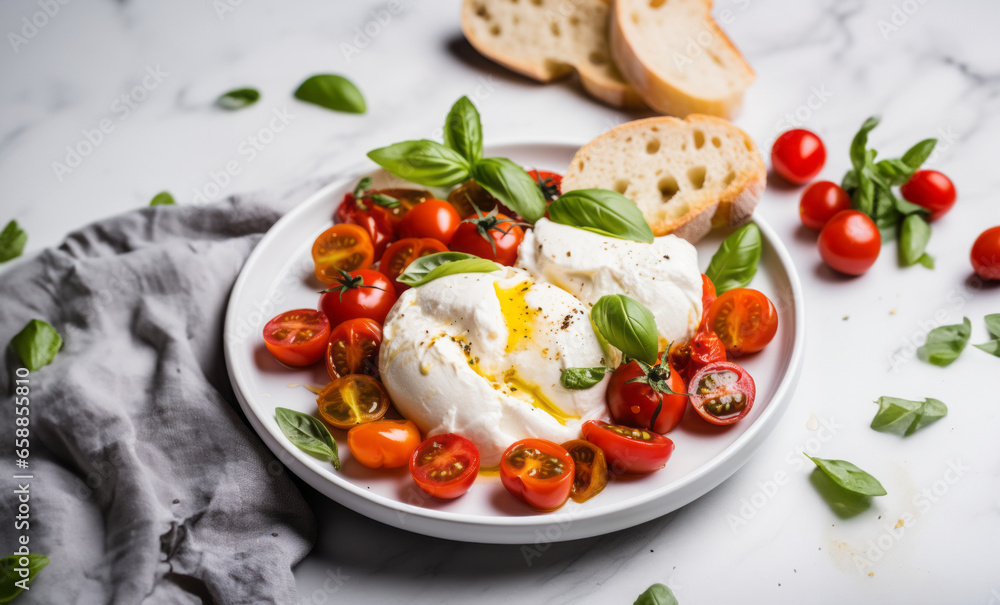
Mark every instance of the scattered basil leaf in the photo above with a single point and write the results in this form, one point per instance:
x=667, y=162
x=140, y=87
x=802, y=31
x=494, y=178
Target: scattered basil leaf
x=992, y=347
x=463, y=131
x=735, y=262
x=582, y=378
x=914, y=233
x=657, y=594
x=993, y=324
x=162, y=198
x=309, y=434
x=12, y=241
x=926, y=260
x=915, y=156
x=9, y=577
x=601, y=211
x=332, y=92
x=428, y=268
x=238, y=99
x=897, y=415
x=628, y=326
x=423, y=162
x=945, y=343
x=37, y=344
x=509, y=183
x=849, y=477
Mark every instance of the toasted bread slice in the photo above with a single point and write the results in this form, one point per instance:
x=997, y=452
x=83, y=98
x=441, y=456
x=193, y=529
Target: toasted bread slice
x=677, y=58
x=687, y=176
x=548, y=39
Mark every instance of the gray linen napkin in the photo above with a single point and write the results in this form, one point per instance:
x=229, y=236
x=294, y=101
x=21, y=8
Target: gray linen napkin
x=148, y=486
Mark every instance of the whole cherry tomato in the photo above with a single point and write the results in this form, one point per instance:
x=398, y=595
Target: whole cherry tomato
x=445, y=466
x=744, y=319
x=297, y=338
x=384, y=443
x=436, y=219
x=647, y=397
x=722, y=392
x=353, y=348
x=538, y=472
x=985, y=254
x=820, y=201
x=798, y=156
x=492, y=236
x=629, y=450
x=850, y=242
x=931, y=190
x=365, y=293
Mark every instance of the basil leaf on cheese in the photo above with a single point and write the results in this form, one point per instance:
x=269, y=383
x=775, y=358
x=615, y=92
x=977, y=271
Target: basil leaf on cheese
x=627, y=325
x=603, y=212
x=582, y=378
x=428, y=268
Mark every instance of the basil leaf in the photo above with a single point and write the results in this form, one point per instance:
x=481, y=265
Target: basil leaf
x=8, y=576
x=850, y=182
x=238, y=99
x=12, y=241
x=601, y=211
x=657, y=594
x=904, y=416
x=894, y=172
x=463, y=131
x=162, y=198
x=926, y=260
x=904, y=207
x=428, y=268
x=884, y=213
x=914, y=233
x=37, y=344
x=510, y=184
x=992, y=347
x=735, y=262
x=423, y=162
x=993, y=324
x=307, y=433
x=582, y=378
x=332, y=92
x=864, y=195
x=849, y=477
x=859, y=155
x=628, y=326
x=915, y=156
x=945, y=343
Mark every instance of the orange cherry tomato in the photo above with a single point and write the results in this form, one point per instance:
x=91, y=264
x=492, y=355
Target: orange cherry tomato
x=445, y=466
x=353, y=348
x=436, y=219
x=591, y=469
x=629, y=450
x=296, y=338
x=399, y=256
x=351, y=400
x=538, y=472
x=342, y=248
x=744, y=319
x=384, y=443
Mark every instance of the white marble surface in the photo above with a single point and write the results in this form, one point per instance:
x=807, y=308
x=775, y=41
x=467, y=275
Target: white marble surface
x=830, y=62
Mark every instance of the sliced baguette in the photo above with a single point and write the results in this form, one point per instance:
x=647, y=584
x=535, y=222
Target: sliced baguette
x=674, y=54
x=548, y=39
x=686, y=176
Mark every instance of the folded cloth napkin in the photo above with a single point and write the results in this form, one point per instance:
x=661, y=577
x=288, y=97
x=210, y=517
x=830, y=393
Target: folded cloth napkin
x=148, y=485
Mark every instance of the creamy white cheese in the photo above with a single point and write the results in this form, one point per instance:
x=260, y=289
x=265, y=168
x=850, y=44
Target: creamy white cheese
x=663, y=276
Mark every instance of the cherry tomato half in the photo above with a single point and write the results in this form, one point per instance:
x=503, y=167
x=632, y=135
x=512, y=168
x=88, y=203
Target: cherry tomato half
x=384, y=443
x=538, y=472
x=820, y=201
x=744, y=319
x=722, y=392
x=850, y=242
x=798, y=156
x=647, y=397
x=365, y=293
x=708, y=296
x=435, y=219
x=931, y=190
x=297, y=338
x=493, y=236
x=445, y=466
x=399, y=256
x=985, y=254
x=689, y=357
x=470, y=195
x=351, y=400
x=395, y=203
x=342, y=248
x=590, y=469
x=353, y=348
x=629, y=450
x=377, y=223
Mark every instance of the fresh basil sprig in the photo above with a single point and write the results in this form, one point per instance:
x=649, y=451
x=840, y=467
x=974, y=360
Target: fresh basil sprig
x=307, y=433
x=332, y=92
x=428, y=268
x=463, y=130
x=993, y=326
x=657, y=594
x=12, y=241
x=735, y=262
x=897, y=415
x=238, y=99
x=511, y=185
x=601, y=211
x=37, y=344
x=945, y=343
x=9, y=587
x=849, y=476
x=582, y=378
x=914, y=233
x=627, y=325
x=162, y=198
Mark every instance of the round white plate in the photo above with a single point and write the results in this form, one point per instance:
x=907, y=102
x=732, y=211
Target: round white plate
x=279, y=276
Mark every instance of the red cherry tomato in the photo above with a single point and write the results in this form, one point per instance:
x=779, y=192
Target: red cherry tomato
x=722, y=392
x=689, y=357
x=550, y=184
x=365, y=293
x=392, y=203
x=353, y=348
x=475, y=234
x=820, y=201
x=384, y=443
x=629, y=450
x=708, y=296
x=652, y=398
x=986, y=254
x=435, y=219
x=297, y=338
x=399, y=256
x=377, y=223
x=850, y=242
x=798, y=156
x=932, y=190
x=445, y=466
x=538, y=472
x=744, y=319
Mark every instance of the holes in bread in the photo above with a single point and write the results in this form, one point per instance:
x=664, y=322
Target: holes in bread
x=536, y=2
x=621, y=185
x=696, y=175
x=598, y=58
x=482, y=12
x=495, y=29
x=668, y=187
x=556, y=69
x=729, y=178
x=652, y=146
x=717, y=142
x=677, y=208
x=574, y=20
x=556, y=31
x=656, y=3
x=699, y=139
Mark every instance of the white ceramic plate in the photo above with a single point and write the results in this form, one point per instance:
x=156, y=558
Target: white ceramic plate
x=279, y=276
